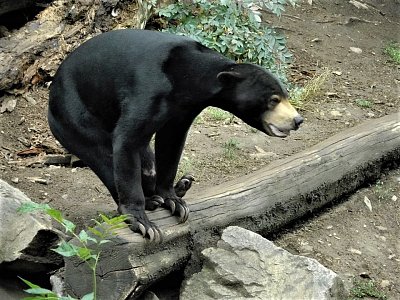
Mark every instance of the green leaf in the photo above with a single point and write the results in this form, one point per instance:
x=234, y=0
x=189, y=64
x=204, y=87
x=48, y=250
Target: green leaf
x=55, y=214
x=96, y=232
x=84, y=253
x=66, y=249
x=68, y=225
x=88, y=296
x=32, y=206
x=84, y=237
x=40, y=291
x=28, y=283
x=104, y=241
x=105, y=219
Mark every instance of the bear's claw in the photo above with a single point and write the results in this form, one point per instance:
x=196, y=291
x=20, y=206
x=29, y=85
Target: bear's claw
x=138, y=222
x=178, y=206
x=153, y=202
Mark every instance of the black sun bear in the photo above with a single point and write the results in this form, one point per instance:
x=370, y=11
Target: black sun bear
x=115, y=91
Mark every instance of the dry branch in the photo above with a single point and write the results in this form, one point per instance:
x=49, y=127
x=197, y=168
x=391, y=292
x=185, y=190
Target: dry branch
x=283, y=191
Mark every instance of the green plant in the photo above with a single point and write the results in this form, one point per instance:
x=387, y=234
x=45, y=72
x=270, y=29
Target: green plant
x=95, y=236
x=382, y=191
x=300, y=97
x=217, y=114
x=393, y=51
x=364, y=103
x=230, y=148
x=233, y=28
x=363, y=289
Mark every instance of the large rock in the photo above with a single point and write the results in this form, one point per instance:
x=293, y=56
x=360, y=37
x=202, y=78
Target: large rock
x=246, y=266
x=25, y=241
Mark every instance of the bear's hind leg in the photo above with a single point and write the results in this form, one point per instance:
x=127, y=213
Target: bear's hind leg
x=149, y=179
x=92, y=145
x=183, y=185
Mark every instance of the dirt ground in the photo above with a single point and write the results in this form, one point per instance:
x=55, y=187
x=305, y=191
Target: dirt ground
x=349, y=238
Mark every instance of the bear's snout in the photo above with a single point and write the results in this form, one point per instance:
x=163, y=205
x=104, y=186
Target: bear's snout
x=298, y=120
x=281, y=119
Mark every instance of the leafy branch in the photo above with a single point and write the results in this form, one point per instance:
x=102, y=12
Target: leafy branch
x=84, y=250
x=231, y=27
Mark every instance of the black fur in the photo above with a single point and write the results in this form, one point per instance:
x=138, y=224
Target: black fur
x=113, y=93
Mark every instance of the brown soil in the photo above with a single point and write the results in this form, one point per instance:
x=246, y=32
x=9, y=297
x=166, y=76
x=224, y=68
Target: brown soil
x=348, y=238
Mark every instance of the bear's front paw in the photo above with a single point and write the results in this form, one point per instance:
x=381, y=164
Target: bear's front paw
x=140, y=223
x=177, y=206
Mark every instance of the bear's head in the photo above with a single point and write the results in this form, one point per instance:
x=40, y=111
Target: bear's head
x=259, y=99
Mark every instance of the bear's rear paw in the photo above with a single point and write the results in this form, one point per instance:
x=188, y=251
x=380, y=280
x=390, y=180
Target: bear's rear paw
x=153, y=202
x=183, y=185
x=139, y=222
x=178, y=206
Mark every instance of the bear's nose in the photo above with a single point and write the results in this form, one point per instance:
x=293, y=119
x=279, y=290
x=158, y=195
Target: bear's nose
x=298, y=120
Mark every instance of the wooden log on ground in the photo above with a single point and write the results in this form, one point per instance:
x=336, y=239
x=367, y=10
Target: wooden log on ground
x=33, y=53
x=263, y=201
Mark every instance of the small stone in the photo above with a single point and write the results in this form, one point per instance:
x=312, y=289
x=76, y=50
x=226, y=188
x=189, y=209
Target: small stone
x=335, y=114
x=306, y=248
x=365, y=275
x=356, y=50
x=30, y=100
x=8, y=104
x=21, y=121
x=381, y=228
x=355, y=251
x=264, y=155
x=394, y=198
x=384, y=283
x=15, y=180
x=358, y=4
x=368, y=203
x=370, y=114
x=338, y=73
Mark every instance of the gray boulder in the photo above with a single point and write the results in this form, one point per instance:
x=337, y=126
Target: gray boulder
x=17, y=230
x=246, y=266
x=25, y=241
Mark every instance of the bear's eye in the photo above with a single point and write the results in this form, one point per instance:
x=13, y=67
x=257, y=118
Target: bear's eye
x=275, y=100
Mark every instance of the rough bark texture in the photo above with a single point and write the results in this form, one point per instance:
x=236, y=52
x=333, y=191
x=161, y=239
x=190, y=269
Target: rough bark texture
x=32, y=54
x=263, y=201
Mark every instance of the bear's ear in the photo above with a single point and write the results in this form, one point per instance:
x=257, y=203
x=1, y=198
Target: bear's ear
x=229, y=78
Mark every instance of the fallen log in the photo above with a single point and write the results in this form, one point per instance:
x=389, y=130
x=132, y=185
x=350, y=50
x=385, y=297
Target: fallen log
x=32, y=54
x=263, y=201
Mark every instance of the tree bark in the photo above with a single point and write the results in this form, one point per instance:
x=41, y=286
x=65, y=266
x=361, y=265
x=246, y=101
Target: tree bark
x=33, y=53
x=263, y=201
